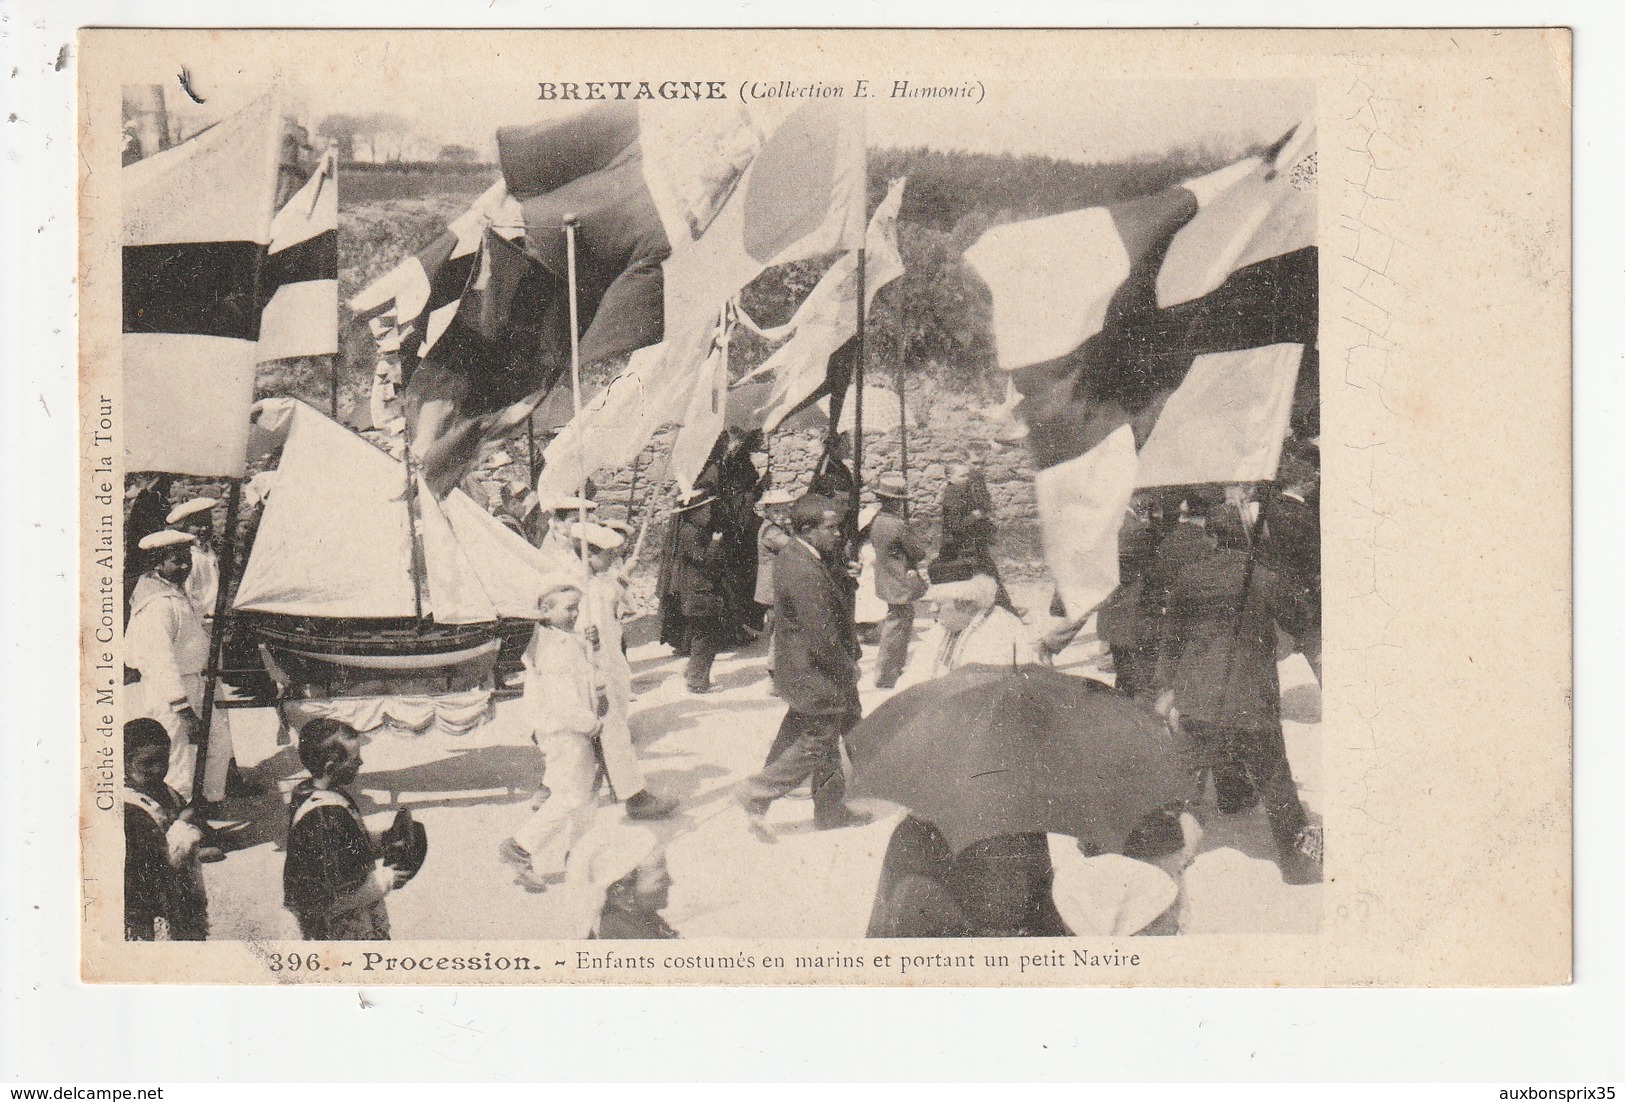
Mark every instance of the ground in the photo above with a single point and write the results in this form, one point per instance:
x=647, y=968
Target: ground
x=471, y=791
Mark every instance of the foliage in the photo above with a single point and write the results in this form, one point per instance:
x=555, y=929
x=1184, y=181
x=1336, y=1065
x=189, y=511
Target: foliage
x=380, y=131
x=964, y=193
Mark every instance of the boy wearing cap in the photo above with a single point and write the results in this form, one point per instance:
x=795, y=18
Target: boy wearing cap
x=196, y=519
x=603, y=599
x=898, y=554
x=565, y=708
x=556, y=541
x=168, y=646
x=146, y=504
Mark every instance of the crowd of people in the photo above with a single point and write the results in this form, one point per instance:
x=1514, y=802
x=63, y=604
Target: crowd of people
x=1213, y=581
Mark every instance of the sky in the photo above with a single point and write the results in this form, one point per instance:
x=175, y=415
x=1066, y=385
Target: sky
x=1085, y=121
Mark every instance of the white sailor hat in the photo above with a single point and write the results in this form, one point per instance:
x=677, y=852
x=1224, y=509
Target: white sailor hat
x=556, y=582
x=166, y=537
x=599, y=536
x=778, y=497
x=190, y=508
x=571, y=504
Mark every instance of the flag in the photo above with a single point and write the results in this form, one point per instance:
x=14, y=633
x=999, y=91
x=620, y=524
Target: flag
x=741, y=191
x=1053, y=279
x=705, y=416
x=776, y=197
x=590, y=167
x=301, y=273
x=1082, y=502
x=485, y=357
x=1197, y=346
x=482, y=313
x=1226, y=421
x=618, y=422
x=421, y=292
x=827, y=319
x=196, y=222
x=452, y=373
x=736, y=191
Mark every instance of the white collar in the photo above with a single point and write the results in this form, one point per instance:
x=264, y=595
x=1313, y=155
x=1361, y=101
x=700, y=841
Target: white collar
x=810, y=548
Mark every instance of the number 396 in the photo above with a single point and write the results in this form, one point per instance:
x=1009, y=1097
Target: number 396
x=294, y=962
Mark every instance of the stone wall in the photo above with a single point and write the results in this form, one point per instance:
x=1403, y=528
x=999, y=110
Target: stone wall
x=943, y=426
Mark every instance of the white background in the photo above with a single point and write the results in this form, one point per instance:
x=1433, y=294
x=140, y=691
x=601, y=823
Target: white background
x=52, y=1029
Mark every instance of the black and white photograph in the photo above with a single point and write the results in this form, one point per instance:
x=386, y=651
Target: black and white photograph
x=849, y=530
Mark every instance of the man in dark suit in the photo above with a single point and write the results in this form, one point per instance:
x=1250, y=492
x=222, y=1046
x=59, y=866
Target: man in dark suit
x=899, y=552
x=1127, y=620
x=700, y=585
x=816, y=671
x=1218, y=664
x=1290, y=546
x=967, y=515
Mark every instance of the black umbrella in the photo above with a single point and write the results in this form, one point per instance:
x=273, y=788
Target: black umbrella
x=988, y=751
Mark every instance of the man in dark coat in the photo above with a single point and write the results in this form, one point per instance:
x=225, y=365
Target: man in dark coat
x=968, y=527
x=1126, y=621
x=1290, y=546
x=699, y=586
x=1218, y=664
x=899, y=551
x=738, y=486
x=833, y=476
x=816, y=671
x=967, y=514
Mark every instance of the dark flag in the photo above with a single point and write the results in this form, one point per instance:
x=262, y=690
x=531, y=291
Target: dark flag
x=1166, y=341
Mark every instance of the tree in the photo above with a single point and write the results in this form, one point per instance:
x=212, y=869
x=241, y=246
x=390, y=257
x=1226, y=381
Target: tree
x=343, y=129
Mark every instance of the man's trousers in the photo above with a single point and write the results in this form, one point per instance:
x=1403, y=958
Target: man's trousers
x=807, y=747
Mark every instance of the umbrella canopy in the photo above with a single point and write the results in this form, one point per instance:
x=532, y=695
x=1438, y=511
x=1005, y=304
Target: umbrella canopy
x=987, y=751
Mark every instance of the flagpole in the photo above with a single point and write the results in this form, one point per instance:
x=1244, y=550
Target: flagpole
x=234, y=498
x=857, y=395
x=530, y=449
x=632, y=490
x=217, y=629
x=570, y=224
x=412, y=526
x=902, y=388
x=331, y=156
